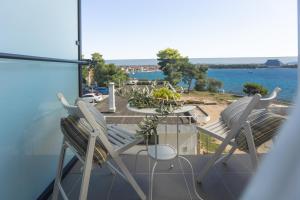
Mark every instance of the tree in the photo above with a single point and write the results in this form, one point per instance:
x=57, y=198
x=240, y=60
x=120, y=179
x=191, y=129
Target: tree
x=213, y=85
x=200, y=84
x=168, y=56
x=171, y=62
x=84, y=72
x=119, y=77
x=105, y=73
x=174, y=77
x=188, y=73
x=98, y=68
x=254, y=88
x=201, y=79
x=98, y=58
x=177, y=68
x=191, y=72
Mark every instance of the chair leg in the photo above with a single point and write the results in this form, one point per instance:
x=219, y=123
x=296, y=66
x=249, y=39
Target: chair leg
x=116, y=171
x=251, y=145
x=214, y=158
x=228, y=156
x=129, y=177
x=111, y=168
x=59, y=171
x=87, y=168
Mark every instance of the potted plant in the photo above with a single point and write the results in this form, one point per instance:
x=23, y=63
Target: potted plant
x=162, y=99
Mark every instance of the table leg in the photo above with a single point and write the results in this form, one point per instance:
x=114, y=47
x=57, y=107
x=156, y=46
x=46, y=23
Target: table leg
x=177, y=133
x=193, y=176
x=152, y=177
x=136, y=157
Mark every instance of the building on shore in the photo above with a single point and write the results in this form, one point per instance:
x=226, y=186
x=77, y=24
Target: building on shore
x=273, y=63
x=140, y=68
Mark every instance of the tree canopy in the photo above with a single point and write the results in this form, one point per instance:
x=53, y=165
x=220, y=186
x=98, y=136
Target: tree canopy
x=213, y=85
x=168, y=56
x=254, y=88
x=191, y=72
x=85, y=73
x=105, y=73
x=177, y=68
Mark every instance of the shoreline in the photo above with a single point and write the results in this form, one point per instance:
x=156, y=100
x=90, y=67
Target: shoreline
x=242, y=66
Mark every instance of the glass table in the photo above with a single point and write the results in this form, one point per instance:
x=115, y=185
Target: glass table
x=177, y=112
x=165, y=152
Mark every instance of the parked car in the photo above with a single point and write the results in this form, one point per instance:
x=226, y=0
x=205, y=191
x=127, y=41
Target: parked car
x=85, y=90
x=102, y=90
x=92, y=97
x=132, y=82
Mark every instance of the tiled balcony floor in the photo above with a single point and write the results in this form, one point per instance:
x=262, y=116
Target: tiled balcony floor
x=223, y=182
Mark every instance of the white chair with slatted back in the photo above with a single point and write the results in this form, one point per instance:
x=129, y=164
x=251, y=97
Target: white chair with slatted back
x=232, y=119
x=115, y=140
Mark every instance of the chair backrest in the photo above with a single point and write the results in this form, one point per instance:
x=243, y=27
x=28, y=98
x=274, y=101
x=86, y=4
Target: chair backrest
x=238, y=111
x=94, y=118
x=75, y=111
x=265, y=102
x=71, y=109
x=91, y=115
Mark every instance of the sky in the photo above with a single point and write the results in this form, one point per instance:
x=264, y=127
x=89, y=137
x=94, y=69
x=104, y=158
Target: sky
x=138, y=29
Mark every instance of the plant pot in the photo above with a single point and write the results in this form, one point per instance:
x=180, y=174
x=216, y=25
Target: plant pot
x=151, y=140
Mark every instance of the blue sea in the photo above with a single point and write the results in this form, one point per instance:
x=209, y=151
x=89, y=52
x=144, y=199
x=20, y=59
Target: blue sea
x=233, y=79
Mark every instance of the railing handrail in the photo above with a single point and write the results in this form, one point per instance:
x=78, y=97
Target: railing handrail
x=135, y=116
x=141, y=116
x=38, y=58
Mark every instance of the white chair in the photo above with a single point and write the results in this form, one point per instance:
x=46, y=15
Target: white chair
x=233, y=119
x=114, y=140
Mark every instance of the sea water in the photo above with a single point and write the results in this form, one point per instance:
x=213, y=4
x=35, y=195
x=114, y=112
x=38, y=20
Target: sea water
x=233, y=79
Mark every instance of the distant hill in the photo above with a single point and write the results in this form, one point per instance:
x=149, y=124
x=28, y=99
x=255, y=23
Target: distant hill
x=292, y=63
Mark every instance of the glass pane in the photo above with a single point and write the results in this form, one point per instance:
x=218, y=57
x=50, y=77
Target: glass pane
x=29, y=120
x=39, y=28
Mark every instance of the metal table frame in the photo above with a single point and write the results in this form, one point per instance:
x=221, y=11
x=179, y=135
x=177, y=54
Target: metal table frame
x=156, y=156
